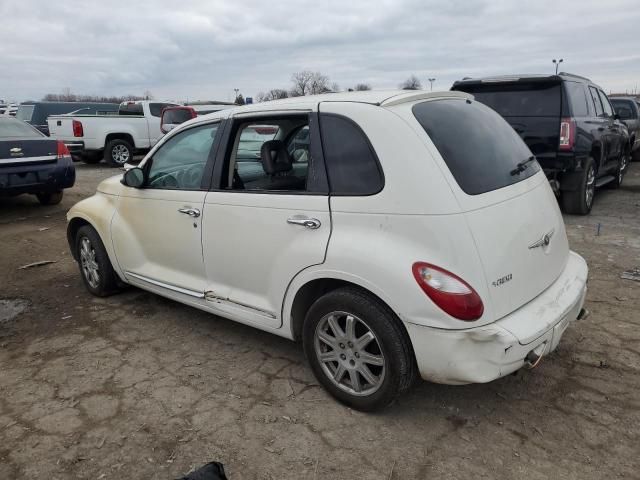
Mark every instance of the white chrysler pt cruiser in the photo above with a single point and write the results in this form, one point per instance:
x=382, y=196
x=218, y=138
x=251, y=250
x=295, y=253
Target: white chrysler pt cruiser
x=392, y=233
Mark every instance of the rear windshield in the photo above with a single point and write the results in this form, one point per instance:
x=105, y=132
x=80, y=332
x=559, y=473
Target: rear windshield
x=480, y=148
x=131, y=109
x=25, y=112
x=14, y=128
x=177, y=116
x=520, y=99
x=624, y=108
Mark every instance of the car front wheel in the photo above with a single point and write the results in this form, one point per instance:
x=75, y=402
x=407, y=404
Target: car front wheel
x=95, y=266
x=358, y=349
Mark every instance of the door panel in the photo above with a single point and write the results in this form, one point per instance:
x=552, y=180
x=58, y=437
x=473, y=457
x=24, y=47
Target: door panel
x=153, y=240
x=251, y=252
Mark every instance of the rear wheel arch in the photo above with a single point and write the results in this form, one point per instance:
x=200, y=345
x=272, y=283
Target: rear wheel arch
x=313, y=289
x=119, y=136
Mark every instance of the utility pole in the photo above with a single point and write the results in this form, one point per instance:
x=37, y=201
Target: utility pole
x=431, y=80
x=557, y=63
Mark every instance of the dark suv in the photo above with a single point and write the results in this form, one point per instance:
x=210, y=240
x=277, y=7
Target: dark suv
x=569, y=125
x=628, y=109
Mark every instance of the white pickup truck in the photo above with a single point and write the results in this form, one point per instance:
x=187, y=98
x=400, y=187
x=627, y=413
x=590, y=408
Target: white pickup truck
x=116, y=138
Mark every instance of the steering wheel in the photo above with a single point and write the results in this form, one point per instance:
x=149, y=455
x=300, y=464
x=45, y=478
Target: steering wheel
x=168, y=181
x=191, y=176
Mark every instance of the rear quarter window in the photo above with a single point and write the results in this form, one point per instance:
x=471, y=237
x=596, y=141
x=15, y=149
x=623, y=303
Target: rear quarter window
x=480, y=148
x=577, y=99
x=351, y=162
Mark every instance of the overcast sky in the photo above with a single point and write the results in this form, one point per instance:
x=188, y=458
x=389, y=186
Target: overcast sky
x=203, y=49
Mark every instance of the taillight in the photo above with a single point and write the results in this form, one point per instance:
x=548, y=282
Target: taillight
x=63, y=151
x=567, y=133
x=448, y=291
x=78, y=131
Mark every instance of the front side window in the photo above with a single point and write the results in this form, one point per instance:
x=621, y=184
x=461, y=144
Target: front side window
x=269, y=155
x=624, y=108
x=605, y=104
x=596, y=102
x=179, y=163
x=482, y=151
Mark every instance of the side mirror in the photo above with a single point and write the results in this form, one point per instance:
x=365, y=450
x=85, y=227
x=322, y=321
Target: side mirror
x=171, y=117
x=134, y=177
x=616, y=116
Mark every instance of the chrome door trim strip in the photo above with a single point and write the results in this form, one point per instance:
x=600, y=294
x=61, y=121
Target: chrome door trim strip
x=168, y=286
x=212, y=297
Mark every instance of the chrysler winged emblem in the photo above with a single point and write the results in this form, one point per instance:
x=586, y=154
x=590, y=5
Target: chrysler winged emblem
x=544, y=241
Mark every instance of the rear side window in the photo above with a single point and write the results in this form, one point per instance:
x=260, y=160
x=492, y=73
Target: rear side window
x=520, y=99
x=577, y=98
x=596, y=101
x=480, y=148
x=351, y=162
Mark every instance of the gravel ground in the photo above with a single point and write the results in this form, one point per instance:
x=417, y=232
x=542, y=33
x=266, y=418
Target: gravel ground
x=135, y=386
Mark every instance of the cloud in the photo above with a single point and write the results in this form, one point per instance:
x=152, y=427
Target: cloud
x=201, y=49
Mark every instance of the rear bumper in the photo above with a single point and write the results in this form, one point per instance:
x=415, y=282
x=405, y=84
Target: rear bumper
x=74, y=147
x=37, y=177
x=482, y=354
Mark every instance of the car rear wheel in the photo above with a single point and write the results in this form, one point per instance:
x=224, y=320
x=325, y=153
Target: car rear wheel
x=580, y=201
x=91, y=158
x=95, y=267
x=118, y=152
x=50, y=198
x=358, y=349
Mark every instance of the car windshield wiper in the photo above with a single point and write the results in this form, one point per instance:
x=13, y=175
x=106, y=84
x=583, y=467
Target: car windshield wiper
x=522, y=166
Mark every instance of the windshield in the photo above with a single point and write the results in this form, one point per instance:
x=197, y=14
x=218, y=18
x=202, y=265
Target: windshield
x=25, y=112
x=480, y=148
x=14, y=128
x=519, y=99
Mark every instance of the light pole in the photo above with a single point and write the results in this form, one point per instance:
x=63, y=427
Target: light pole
x=431, y=80
x=236, y=90
x=557, y=63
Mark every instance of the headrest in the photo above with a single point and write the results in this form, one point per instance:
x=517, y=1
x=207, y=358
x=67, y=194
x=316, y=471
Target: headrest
x=275, y=158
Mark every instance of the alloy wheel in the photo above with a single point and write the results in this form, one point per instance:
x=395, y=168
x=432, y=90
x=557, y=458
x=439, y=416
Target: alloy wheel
x=590, y=187
x=90, y=268
x=349, y=353
x=120, y=154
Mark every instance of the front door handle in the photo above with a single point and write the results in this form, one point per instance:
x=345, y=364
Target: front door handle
x=312, y=223
x=192, y=212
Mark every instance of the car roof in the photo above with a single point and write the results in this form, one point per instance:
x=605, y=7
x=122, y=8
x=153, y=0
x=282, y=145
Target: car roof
x=518, y=77
x=624, y=97
x=383, y=98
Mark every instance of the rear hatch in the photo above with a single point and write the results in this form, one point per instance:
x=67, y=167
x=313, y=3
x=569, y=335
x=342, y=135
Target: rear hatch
x=508, y=205
x=531, y=106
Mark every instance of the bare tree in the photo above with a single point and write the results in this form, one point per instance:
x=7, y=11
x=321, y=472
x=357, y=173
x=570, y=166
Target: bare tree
x=335, y=87
x=411, y=83
x=239, y=100
x=307, y=82
x=148, y=95
x=361, y=87
x=67, y=96
x=273, y=94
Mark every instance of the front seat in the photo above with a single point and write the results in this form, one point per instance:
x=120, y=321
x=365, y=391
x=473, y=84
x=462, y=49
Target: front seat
x=278, y=166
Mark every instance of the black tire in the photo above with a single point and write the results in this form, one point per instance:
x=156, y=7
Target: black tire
x=579, y=202
x=50, y=198
x=91, y=158
x=107, y=280
x=118, y=152
x=391, y=342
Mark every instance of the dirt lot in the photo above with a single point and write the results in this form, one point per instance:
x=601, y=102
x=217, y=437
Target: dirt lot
x=135, y=386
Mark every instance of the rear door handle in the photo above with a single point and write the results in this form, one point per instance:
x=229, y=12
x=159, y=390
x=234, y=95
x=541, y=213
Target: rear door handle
x=312, y=223
x=192, y=212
